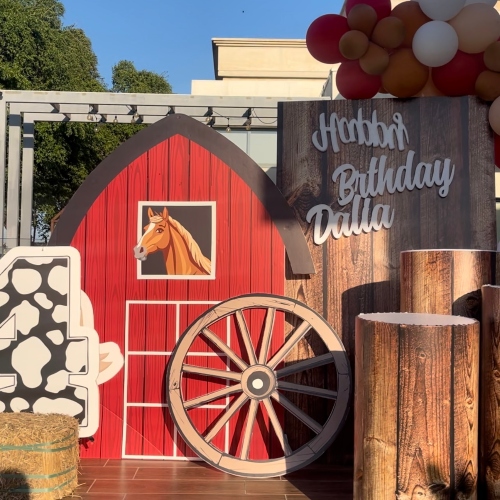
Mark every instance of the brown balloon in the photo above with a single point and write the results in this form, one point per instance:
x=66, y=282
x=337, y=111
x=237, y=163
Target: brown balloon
x=405, y=76
x=375, y=61
x=362, y=18
x=492, y=57
x=389, y=33
x=488, y=85
x=353, y=45
x=412, y=17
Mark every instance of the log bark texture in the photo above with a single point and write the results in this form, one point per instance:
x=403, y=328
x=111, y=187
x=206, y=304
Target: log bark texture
x=360, y=273
x=489, y=464
x=416, y=407
x=446, y=281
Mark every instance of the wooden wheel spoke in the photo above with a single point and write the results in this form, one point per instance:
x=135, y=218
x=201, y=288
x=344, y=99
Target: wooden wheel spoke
x=252, y=414
x=224, y=348
x=305, y=389
x=212, y=396
x=247, y=340
x=266, y=336
x=307, y=364
x=224, y=419
x=211, y=372
x=297, y=412
x=277, y=427
x=295, y=337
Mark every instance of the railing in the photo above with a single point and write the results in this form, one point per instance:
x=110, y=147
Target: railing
x=7, y=243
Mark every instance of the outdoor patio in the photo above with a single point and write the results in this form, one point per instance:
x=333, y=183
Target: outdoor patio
x=155, y=480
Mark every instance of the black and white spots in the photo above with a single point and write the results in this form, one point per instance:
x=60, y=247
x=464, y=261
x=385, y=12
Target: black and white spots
x=44, y=354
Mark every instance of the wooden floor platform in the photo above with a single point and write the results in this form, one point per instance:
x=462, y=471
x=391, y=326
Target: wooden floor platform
x=166, y=480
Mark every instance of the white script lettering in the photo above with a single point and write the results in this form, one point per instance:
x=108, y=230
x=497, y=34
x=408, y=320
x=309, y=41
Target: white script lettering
x=364, y=132
x=359, y=189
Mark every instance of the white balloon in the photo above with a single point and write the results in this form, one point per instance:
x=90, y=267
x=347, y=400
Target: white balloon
x=435, y=44
x=441, y=10
x=489, y=2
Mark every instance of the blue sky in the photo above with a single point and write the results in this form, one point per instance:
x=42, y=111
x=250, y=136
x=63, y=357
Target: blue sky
x=174, y=37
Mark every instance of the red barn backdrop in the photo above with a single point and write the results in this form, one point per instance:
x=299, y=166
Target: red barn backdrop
x=175, y=160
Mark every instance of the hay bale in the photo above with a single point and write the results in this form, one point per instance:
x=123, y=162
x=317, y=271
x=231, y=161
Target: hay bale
x=39, y=456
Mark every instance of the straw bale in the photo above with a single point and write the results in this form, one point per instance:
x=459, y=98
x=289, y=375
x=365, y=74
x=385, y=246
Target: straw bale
x=39, y=456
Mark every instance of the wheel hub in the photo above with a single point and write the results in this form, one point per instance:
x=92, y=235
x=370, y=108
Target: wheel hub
x=258, y=382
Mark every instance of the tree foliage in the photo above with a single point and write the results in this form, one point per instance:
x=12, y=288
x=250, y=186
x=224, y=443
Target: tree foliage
x=37, y=52
x=127, y=79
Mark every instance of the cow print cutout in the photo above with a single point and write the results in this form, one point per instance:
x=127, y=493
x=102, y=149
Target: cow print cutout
x=41, y=357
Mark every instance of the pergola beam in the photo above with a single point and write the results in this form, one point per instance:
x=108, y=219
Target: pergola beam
x=107, y=98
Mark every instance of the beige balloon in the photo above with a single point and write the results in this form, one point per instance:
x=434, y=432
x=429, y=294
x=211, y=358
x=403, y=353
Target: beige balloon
x=477, y=26
x=495, y=116
x=430, y=89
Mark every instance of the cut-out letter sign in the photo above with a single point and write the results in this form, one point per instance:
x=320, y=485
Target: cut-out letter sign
x=49, y=363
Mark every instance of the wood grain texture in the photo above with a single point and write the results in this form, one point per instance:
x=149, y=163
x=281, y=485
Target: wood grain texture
x=116, y=279
x=135, y=290
x=303, y=184
x=445, y=281
x=416, y=414
x=360, y=273
x=489, y=466
x=156, y=439
x=375, y=411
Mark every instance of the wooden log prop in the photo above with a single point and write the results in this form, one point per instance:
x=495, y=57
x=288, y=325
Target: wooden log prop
x=416, y=406
x=489, y=442
x=445, y=281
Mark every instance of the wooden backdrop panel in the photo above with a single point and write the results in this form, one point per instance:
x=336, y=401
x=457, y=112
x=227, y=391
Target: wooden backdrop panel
x=358, y=274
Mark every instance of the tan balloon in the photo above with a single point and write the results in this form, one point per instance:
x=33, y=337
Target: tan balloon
x=405, y=76
x=375, y=61
x=353, y=45
x=488, y=85
x=389, y=33
x=429, y=89
x=362, y=18
x=412, y=17
x=477, y=26
x=495, y=116
x=492, y=57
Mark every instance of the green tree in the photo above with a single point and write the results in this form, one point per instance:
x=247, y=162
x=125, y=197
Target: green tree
x=127, y=79
x=37, y=52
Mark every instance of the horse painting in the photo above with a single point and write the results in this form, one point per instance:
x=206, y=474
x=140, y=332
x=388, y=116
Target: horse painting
x=181, y=253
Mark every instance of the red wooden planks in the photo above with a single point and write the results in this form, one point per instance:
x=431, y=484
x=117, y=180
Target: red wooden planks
x=156, y=315
x=240, y=281
x=116, y=278
x=95, y=284
x=135, y=290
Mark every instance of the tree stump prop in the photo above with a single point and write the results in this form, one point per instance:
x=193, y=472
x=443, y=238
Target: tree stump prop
x=416, y=406
x=489, y=444
x=445, y=281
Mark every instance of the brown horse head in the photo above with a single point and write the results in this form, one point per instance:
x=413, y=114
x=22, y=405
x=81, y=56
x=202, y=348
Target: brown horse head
x=156, y=235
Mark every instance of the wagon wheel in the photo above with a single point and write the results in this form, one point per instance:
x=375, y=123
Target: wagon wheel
x=259, y=381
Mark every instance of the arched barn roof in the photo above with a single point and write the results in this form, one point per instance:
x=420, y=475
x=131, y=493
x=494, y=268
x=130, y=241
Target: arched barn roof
x=269, y=195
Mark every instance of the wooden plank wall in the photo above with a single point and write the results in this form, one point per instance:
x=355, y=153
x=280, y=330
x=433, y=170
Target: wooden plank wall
x=360, y=274
x=250, y=258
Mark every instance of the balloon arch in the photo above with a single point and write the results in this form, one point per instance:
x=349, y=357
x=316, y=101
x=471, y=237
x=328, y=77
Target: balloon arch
x=419, y=48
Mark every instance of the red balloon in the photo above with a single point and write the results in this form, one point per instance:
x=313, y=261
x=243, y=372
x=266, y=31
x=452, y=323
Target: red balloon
x=382, y=7
x=459, y=76
x=497, y=150
x=354, y=83
x=323, y=36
